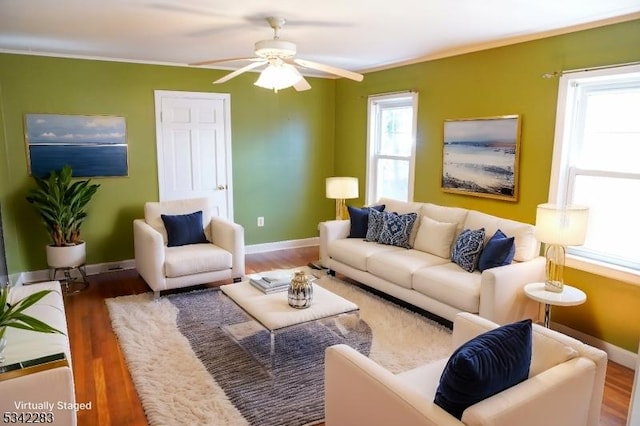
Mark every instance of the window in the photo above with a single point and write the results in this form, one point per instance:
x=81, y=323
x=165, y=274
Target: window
x=596, y=161
x=391, y=146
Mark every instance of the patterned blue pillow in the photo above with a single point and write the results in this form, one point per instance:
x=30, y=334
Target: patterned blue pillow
x=396, y=229
x=374, y=228
x=467, y=249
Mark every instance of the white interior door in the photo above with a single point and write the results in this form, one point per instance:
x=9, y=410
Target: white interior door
x=193, y=132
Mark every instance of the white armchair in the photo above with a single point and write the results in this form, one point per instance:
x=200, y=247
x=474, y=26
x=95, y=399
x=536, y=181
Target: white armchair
x=165, y=268
x=564, y=387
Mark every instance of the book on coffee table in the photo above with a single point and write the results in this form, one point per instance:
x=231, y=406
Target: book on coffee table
x=271, y=282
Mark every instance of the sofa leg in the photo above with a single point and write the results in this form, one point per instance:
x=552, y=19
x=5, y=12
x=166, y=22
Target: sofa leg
x=156, y=296
x=331, y=272
x=237, y=279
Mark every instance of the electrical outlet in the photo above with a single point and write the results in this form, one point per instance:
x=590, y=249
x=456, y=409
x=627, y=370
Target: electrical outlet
x=260, y=221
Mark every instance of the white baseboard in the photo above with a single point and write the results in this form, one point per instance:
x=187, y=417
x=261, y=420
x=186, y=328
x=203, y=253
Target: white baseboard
x=98, y=268
x=281, y=245
x=614, y=353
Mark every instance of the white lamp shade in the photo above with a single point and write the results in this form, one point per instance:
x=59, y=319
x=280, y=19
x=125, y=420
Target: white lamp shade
x=563, y=225
x=278, y=76
x=342, y=187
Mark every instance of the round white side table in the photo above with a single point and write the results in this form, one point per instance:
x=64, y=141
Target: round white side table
x=570, y=296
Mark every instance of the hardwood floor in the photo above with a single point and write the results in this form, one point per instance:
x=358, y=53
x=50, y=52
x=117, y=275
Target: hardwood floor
x=102, y=378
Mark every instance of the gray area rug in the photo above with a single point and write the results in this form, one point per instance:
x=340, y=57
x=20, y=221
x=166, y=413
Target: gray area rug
x=196, y=358
x=284, y=390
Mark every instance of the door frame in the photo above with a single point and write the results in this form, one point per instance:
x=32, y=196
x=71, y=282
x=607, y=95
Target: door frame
x=226, y=99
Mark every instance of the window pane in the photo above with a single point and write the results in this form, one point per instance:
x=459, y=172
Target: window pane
x=393, y=179
x=613, y=211
x=397, y=124
x=611, y=138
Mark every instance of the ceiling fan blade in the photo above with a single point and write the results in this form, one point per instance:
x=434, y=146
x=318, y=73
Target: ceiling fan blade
x=329, y=69
x=239, y=71
x=302, y=85
x=220, y=61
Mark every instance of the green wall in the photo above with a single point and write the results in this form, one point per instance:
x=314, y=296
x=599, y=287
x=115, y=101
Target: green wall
x=282, y=150
x=495, y=82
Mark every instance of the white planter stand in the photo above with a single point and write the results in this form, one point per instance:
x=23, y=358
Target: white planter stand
x=66, y=259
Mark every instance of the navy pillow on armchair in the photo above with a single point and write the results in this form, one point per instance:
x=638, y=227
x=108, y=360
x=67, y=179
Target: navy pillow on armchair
x=485, y=366
x=184, y=229
x=359, y=218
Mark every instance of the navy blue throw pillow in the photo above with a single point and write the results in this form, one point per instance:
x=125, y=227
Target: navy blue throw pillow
x=184, y=229
x=484, y=366
x=359, y=218
x=498, y=251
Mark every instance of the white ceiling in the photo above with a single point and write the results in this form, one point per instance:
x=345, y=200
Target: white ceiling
x=360, y=35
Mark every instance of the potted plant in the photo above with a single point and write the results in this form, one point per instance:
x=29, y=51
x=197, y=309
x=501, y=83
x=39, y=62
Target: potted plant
x=14, y=316
x=61, y=204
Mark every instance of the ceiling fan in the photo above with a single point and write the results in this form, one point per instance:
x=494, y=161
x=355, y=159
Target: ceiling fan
x=279, y=57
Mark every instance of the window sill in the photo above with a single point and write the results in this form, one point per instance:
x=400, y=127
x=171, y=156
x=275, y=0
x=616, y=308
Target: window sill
x=606, y=270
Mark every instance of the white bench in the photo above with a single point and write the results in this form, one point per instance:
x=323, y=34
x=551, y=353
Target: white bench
x=38, y=390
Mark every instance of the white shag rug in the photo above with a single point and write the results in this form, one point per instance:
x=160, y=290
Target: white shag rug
x=175, y=387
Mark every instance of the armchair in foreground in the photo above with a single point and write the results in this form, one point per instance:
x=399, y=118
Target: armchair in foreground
x=181, y=244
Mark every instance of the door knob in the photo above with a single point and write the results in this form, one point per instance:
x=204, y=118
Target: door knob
x=221, y=187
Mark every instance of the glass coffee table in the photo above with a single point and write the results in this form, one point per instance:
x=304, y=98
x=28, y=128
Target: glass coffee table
x=272, y=311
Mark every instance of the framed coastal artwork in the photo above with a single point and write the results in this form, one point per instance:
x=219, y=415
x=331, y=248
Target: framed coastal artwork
x=480, y=157
x=93, y=145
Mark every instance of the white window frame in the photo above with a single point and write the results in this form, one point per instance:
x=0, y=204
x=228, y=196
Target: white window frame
x=562, y=172
x=376, y=105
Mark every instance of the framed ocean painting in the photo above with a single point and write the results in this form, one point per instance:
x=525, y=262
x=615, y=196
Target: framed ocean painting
x=93, y=145
x=480, y=157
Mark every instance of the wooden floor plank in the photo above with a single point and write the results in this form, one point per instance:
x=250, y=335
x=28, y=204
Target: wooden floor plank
x=101, y=374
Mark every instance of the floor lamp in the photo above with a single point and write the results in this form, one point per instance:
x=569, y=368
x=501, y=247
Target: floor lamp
x=558, y=227
x=340, y=189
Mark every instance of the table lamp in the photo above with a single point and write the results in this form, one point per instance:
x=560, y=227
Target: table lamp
x=558, y=227
x=341, y=188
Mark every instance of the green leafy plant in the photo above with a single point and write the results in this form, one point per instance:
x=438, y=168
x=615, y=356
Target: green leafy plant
x=14, y=316
x=61, y=204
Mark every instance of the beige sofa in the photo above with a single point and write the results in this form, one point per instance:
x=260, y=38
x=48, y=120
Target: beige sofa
x=564, y=387
x=39, y=383
x=432, y=282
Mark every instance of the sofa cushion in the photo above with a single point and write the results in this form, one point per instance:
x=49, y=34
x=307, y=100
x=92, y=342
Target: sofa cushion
x=374, y=227
x=359, y=219
x=467, y=247
x=451, y=285
x=356, y=252
x=484, y=366
x=194, y=259
x=549, y=349
x=498, y=251
x=435, y=237
x=184, y=229
x=447, y=214
x=398, y=266
x=424, y=378
x=527, y=247
x=396, y=229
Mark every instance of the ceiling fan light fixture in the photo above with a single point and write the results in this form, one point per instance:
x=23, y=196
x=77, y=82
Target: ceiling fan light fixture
x=278, y=75
x=275, y=49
